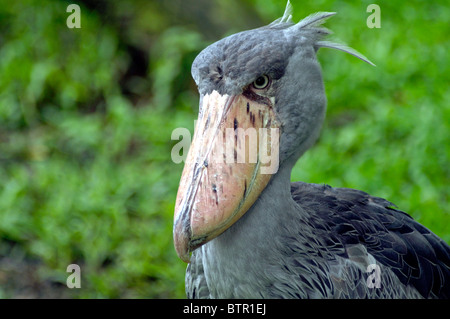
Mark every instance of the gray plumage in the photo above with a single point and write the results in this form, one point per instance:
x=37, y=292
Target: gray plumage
x=304, y=240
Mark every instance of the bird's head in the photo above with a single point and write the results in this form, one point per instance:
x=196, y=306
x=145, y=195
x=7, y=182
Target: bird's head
x=262, y=104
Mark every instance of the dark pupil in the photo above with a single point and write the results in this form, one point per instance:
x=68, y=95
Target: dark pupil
x=260, y=81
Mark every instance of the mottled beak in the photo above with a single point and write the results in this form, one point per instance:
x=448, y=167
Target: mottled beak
x=232, y=157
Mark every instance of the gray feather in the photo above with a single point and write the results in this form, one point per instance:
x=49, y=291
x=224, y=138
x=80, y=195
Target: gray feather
x=313, y=20
x=287, y=16
x=344, y=48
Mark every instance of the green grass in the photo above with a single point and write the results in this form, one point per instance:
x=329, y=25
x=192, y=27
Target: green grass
x=85, y=168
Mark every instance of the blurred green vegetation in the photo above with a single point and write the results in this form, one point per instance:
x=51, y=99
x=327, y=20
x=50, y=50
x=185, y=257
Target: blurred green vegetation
x=86, y=117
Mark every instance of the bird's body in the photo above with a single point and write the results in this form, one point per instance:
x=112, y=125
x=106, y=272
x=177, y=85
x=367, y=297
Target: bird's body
x=324, y=249
x=256, y=235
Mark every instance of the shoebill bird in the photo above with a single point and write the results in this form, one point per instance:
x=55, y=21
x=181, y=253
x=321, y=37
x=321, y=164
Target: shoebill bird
x=251, y=233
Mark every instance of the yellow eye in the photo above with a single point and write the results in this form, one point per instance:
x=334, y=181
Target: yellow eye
x=261, y=82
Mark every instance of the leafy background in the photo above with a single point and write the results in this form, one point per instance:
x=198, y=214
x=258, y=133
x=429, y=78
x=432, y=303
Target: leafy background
x=86, y=117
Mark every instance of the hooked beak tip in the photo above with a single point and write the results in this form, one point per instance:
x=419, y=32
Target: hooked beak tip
x=182, y=240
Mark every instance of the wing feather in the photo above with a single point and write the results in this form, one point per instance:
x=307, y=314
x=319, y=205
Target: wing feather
x=416, y=256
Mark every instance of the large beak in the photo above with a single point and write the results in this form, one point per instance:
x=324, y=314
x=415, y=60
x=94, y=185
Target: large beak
x=232, y=157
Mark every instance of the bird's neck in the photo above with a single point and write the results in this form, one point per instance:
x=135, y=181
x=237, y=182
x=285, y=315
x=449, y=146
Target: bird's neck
x=250, y=239
x=269, y=211
x=277, y=194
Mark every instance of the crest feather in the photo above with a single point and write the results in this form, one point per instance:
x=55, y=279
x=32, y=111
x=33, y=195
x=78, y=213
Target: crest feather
x=287, y=16
x=344, y=48
x=311, y=27
x=314, y=20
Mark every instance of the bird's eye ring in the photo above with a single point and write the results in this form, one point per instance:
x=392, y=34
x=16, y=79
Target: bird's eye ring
x=261, y=82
